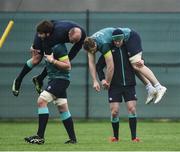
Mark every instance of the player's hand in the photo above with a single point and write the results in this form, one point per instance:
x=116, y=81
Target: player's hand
x=96, y=86
x=105, y=84
x=49, y=58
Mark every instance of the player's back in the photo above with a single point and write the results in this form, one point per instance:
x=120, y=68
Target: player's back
x=103, y=36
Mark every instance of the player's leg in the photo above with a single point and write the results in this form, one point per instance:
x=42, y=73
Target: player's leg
x=114, y=107
x=67, y=120
x=151, y=91
x=115, y=97
x=131, y=106
x=36, y=58
x=43, y=114
x=59, y=91
x=38, y=80
x=139, y=66
x=130, y=99
x=135, y=51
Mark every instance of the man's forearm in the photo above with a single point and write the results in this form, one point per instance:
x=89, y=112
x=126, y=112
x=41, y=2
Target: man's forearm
x=109, y=73
x=110, y=68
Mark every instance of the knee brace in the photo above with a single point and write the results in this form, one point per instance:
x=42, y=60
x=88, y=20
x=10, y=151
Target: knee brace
x=46, y=96
x=29, y=63
x=60, y=101
x=65, y=115
x=136, y=58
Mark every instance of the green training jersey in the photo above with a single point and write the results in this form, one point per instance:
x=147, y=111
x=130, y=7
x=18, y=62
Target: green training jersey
x=61, y=54
x=103, y=38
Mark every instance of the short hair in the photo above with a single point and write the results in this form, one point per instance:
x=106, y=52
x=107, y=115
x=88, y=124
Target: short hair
x=45, y=27
x=89, y=43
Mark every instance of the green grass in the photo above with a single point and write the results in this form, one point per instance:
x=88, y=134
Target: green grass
x=92, y=136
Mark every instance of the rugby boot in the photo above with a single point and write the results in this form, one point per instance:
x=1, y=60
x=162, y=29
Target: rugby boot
x=15, y=87
x=71, y=141
x=160, y=94
x=38, y=84
x=34, y=140
x=151, y=95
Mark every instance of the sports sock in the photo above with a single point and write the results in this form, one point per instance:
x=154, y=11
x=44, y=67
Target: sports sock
x=115, y=126
x=132, y=125
x=149, y=87
x=27, y=67
x=43, y=119
x=68, y=124
x=43, y=74
x=158, y=86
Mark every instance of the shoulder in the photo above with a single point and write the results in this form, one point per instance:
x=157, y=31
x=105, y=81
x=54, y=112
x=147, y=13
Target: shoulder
x=59, y=48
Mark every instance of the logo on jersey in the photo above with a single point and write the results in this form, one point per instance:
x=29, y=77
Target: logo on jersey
x=49, y=88
x=110, y=99
x=113, y=50
x=135, y=96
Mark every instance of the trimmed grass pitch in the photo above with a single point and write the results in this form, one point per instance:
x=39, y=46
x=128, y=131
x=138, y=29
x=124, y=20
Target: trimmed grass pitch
x=92, y=136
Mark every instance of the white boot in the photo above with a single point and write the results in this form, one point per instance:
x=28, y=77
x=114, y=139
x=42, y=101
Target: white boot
x=151, y=95
x=160, y=93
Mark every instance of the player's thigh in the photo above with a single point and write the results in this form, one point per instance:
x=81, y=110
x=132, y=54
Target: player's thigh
x=63, y=107
x=115, y=94
x=134, y=44
x=58, y=88
x=44, y=98
x=129, y=93
x=137, y=58
x=114, y=106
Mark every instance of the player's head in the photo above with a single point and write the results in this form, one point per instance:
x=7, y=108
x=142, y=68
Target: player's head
x=118, y=37
x=44, y=29
x=90, y=45
x=74, y=35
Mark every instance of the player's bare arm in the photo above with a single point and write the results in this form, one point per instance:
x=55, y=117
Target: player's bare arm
x=110, y=67
x=92, y=69
x=65, y=64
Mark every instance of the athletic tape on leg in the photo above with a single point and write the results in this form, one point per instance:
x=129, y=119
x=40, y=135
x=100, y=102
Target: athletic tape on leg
x=65, y=115
x=29, y=63
x=114, y=119
x=60, y=101
x=46, y=96
x=43, y=110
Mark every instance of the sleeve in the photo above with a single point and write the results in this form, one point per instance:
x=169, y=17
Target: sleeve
x=60, y=52
x=99, y=68
x=106, y=49
x=37, y=44
x=77, y=47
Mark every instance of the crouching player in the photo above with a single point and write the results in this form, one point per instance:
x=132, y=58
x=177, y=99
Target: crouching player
x=122, y=86
x=58, y=68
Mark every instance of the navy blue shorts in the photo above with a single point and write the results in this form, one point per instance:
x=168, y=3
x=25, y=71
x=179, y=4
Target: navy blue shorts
x=58, y=87
x=118, y=93
x=133, y=44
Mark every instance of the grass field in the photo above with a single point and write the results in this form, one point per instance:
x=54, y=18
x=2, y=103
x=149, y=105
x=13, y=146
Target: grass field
x=92, y=136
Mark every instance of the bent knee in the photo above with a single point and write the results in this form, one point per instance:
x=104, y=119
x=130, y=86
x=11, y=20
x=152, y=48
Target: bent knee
x=36, y=59
x=41, y=102
x=114, y=113
x=44, y=98
x=132, y=109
